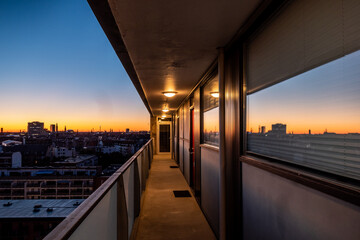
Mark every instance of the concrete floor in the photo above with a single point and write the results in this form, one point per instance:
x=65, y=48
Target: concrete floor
x=162, y=215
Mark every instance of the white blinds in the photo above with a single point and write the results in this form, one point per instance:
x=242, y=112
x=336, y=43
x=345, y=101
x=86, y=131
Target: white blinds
x=306, y=34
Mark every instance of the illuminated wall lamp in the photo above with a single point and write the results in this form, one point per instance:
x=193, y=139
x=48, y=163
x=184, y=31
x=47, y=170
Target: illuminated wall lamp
x=169, y=93
x=215, y=94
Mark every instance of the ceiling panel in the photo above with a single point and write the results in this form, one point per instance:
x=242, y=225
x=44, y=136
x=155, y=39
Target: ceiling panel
x=172, y=43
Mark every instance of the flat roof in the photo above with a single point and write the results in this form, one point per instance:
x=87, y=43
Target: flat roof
x=23, y=208
x=77, y=159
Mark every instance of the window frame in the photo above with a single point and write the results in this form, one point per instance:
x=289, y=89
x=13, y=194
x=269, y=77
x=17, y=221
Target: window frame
x=213, y=74
x=341, y=187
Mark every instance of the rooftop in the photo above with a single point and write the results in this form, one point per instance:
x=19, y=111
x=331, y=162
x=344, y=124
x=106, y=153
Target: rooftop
x=25, y=208
x=77, y=159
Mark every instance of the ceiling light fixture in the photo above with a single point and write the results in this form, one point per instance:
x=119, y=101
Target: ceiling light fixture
x=169, y=93
x=165, y=107
x=215, y=94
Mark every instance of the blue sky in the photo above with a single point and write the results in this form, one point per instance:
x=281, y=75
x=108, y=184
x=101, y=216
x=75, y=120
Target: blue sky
x=56, y=65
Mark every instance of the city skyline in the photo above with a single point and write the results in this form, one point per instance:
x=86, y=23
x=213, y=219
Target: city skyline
x=268, y=128
x=57, y=65
x=63, y=128
x=323, y=98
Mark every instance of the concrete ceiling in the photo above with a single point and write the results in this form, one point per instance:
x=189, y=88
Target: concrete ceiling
x=172, y=43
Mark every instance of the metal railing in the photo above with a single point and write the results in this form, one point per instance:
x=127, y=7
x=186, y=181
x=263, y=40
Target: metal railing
x=110, y=212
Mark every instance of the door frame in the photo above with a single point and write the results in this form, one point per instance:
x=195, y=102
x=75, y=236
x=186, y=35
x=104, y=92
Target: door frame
x=158, y=123
x=192, y=149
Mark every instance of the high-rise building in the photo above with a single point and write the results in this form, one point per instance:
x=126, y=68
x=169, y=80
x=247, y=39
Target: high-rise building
x=2, y=130
x=36, y=128
x=278, y=128
x=263, y=129
x=127, y=130
x=56, y=127
x=52, y=128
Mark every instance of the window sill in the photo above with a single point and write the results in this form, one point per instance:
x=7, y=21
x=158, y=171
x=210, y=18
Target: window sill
x=208, y=146
x=339, y=190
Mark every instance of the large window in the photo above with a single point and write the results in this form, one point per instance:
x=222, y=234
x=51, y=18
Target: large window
x=312, y=119
x=210, y=98
x=303, y=85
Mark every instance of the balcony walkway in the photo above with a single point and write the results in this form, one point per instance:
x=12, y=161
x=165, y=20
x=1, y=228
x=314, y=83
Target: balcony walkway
x=162, y=215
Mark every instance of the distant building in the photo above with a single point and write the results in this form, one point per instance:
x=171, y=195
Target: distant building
x=36, y=128
x=79, y=161
x=8, y=143
x=56, y=127
x=12, y=160
x=61, y=152
x=127, y=149
x=110, y=149
x=263, y=129
x=33, y=219
x=127, y=130
x=32, y=154
x=278, y=129
x=2, y=130
x=52, y=128
x=48, y=182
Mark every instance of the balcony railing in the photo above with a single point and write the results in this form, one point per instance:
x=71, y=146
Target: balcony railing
x=110, y=212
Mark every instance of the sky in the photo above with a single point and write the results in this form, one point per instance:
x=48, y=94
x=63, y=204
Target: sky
x=57, y=66
x=326, y=98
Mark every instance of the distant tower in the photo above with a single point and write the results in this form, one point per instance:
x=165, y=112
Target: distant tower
x=56, y=128
x=2, y=130
x=52, y=128
x=36, y=128
x=263, y=129
x=65, y=129
x=127, y=130
x=309, y=131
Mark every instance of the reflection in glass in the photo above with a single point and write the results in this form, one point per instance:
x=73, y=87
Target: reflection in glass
x=211, y=126
x=211, y=112
x=312, y=119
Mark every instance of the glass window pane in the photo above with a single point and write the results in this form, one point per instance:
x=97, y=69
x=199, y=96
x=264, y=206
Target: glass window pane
x=312, y=119
x=211, y=94
x=211, y=112
x=211, y=126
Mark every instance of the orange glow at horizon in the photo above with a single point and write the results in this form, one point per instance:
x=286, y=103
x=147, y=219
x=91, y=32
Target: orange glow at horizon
x=78, y=117
x=299, y=118
x=118, y=126
x=322, y=99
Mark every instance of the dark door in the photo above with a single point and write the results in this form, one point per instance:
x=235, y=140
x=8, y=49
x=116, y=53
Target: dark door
x=164, y=138
x=192, y=149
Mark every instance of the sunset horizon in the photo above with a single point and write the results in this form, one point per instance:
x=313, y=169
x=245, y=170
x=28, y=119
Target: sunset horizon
x=66, y=73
